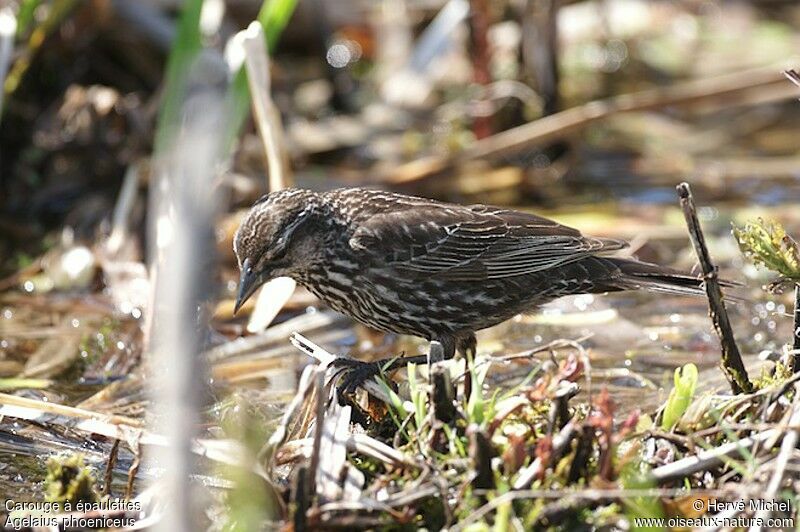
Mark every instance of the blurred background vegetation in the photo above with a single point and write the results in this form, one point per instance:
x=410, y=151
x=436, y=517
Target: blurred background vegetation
x=587, y=111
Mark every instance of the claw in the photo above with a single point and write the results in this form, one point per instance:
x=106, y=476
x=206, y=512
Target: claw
x=356, y=374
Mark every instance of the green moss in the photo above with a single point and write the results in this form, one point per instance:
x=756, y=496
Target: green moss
x=772, y=378
x=768, y=246
x=70, y=480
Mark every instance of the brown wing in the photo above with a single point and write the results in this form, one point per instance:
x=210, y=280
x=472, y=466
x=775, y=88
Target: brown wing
x=471, y=243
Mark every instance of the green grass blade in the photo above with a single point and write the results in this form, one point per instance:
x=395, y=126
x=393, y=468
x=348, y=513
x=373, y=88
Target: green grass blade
x=274, y=16
x=25, y=16
x=188, y=43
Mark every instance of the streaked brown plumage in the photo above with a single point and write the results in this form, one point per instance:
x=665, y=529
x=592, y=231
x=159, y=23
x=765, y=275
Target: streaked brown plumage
x=421, y=267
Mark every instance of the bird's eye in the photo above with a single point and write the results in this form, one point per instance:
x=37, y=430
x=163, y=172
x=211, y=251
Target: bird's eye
x=277, y=249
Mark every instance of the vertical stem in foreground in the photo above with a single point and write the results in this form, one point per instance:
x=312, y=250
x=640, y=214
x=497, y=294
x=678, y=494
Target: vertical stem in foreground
x=732, y=363
x=184, y=206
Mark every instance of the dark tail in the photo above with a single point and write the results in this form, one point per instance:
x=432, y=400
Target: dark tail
x=643, y=275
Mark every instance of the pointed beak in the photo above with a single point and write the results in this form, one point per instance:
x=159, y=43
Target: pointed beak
x=248, y=283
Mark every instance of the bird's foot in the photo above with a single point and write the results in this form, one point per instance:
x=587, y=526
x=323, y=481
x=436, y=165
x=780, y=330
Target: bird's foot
x=356, y=373
x=359, y=372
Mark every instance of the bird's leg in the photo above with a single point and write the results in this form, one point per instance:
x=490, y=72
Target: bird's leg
x=467, y=345
x=360, y=372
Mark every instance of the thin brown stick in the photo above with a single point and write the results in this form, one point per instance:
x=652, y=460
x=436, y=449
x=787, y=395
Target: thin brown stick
x=732, y=363
x=562, y=124
x=16, y=277
x=137, y=458
x=112, y=460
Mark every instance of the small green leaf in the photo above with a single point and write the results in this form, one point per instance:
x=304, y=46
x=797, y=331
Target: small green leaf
x=274, y=16
x=25, y=15
x=768, y=245
x=680, y=396
x=394, y=400
x=187, y=44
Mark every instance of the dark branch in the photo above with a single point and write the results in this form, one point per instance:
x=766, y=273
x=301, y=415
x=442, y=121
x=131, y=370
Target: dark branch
x=732, y=363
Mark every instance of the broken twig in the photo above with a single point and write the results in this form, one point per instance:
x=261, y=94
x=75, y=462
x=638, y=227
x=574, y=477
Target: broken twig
x=443, y=395
x=538, y=466
x=480, y=452
x=705, y=460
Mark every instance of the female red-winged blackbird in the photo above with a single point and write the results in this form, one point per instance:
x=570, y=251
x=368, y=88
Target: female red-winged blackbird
x=421, y=267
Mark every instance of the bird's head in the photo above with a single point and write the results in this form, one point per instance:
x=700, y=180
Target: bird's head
x=275, y=239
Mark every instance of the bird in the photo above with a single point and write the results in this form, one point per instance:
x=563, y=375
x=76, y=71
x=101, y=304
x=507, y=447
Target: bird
x=425, y=268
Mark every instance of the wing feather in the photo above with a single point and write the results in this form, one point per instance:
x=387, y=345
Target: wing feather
x=471, y=243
